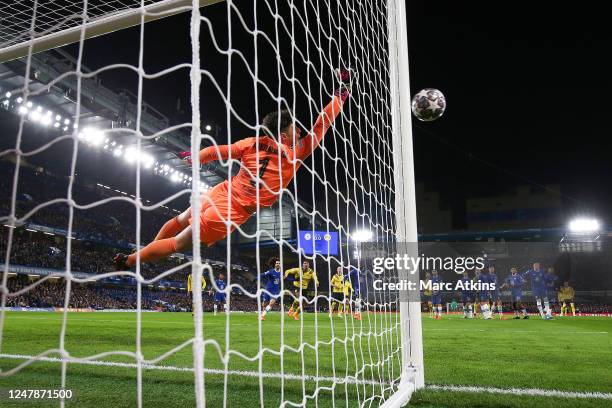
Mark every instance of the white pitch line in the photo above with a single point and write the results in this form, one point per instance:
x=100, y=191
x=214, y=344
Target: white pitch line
x=186, y=323
x=296, y=377
x=254, y=374
x=521, y=391
x=496, y=329
x=189, y=324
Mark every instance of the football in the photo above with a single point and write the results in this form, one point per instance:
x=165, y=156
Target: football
x=428, y=104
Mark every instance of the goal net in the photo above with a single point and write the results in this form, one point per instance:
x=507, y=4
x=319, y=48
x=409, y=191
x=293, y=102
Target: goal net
x=103, y=99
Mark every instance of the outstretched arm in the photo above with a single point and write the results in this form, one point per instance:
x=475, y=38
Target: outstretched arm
x=291, y=271
x=311, y=141
x=214, y=153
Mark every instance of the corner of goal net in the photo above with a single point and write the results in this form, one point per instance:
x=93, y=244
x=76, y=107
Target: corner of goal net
x=405, y=388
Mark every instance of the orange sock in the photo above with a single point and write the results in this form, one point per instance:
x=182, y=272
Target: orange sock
x=169, y=229
x=155, y=251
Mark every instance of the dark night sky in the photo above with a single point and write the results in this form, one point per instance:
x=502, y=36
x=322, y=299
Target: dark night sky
x=527, y=92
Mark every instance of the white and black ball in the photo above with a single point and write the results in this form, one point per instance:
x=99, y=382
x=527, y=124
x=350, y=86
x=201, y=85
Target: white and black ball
x=428, y=104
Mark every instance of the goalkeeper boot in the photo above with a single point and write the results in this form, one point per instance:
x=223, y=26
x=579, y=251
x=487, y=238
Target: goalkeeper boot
x=262, y=316
x=120, y=262
x=290, y=313
x=296, y=316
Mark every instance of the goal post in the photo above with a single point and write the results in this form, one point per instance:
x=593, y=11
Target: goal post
x=56, y=37
x=412, y=375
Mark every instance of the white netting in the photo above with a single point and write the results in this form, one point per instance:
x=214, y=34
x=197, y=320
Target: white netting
x=53, y=16
x=246, y=59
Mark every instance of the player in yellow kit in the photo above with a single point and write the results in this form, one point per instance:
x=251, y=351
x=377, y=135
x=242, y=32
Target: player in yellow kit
x=301, y=279
x=337, y=292
x=190, y=286
x=566, y=295
x=348, y=292
x=427, y=294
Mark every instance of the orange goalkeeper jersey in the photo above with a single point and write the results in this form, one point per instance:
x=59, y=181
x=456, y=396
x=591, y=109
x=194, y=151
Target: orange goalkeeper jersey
x=264, y=163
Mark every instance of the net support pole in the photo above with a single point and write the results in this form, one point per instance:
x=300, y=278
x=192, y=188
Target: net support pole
x=412, y=376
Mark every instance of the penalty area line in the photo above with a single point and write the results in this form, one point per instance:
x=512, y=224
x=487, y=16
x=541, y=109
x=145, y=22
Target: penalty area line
x=534, y=392
x=214, y=371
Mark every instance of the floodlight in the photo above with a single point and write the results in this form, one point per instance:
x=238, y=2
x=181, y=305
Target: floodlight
x=45, y=120
x=93, y=136
x=584, y=225
x=130, y=155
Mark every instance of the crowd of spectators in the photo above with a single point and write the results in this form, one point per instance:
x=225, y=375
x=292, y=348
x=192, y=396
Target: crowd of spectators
x=52, y=294
x=36, y=249
x=100, y=232
x=113, y=221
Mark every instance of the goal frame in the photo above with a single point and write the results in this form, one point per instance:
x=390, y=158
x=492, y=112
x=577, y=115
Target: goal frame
x=100, y=26
x=412, y=367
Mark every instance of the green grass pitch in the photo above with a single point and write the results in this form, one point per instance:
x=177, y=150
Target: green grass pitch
x=567, y=354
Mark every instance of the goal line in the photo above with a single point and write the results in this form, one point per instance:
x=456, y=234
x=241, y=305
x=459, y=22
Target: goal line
x=537, y=392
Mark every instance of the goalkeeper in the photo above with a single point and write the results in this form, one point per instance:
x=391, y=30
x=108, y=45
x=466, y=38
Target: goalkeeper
x=231, y=203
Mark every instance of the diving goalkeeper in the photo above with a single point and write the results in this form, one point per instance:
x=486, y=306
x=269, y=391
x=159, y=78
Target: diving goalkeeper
x=235, y=201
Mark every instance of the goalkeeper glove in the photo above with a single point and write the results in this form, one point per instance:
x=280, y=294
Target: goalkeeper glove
x=185, y=156
x=345, y=80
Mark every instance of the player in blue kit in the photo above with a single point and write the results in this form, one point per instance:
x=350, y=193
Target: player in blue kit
x=494, y=294
x=483, y=294
x=538, y=287
x=515, y=282
x=272, y=277
x=436, y=294
x=466, y=296
x=353, y=278
x=220, y=297
x=551, y=281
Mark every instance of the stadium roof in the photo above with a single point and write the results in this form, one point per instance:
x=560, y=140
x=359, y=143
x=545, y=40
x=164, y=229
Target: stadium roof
x=100, y=107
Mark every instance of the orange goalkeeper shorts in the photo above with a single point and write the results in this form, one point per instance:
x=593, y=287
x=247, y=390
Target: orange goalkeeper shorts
x=216, y=210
